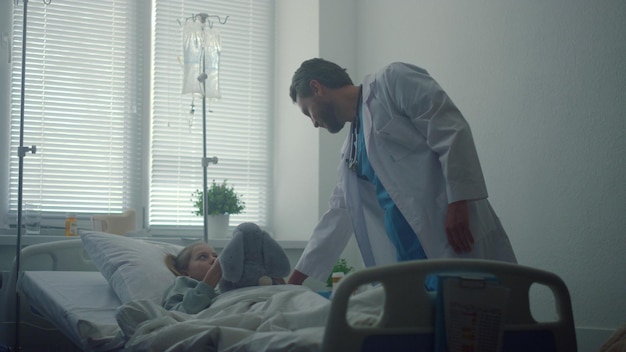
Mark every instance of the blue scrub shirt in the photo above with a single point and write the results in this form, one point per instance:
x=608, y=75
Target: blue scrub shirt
x=408, y=246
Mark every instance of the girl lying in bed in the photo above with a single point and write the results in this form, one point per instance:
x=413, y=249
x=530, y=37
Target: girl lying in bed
x=251, y=258
x=198, y=272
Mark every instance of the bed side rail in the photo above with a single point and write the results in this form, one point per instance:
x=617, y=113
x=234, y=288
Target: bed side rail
x=61, y=255
x=65, y=255
x=409, y=310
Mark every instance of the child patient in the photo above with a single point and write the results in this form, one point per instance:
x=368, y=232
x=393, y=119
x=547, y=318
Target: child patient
x=250, y=258
x=198, y=272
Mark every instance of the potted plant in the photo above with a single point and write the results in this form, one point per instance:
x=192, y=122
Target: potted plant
x=341, y=266
x=221, y=202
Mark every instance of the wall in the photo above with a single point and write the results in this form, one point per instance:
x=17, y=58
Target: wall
x=296, y=165
x=543, y=86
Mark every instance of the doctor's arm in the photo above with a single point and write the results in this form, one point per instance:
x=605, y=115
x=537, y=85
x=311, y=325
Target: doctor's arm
x=328, y=240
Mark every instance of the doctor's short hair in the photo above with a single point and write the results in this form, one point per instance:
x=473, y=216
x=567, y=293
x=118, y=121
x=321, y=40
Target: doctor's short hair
x=329, y=74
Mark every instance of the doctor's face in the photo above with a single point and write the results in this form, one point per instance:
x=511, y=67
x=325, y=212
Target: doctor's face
x=321, y=111
x=202, y=258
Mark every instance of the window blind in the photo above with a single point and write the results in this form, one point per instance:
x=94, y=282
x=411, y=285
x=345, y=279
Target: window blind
x=238, y=125
x=83, y=107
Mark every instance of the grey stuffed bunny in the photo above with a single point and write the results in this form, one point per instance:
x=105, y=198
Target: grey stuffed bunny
x=252, y=258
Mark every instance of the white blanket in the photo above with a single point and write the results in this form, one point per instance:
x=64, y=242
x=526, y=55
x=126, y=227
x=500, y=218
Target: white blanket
x=267, y=318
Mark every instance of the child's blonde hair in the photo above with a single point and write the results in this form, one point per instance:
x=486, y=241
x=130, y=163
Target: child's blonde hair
x=178, y=264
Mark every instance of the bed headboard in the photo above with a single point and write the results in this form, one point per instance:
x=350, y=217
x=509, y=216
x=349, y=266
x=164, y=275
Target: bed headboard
x=408, y=315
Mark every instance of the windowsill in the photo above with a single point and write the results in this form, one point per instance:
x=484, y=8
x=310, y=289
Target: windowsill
x=8, y=238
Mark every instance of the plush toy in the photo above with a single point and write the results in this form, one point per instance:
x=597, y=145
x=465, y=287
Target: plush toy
x=252, y=258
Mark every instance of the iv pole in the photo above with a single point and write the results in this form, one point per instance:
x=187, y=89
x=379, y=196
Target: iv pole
x=21, y=153
x=203, y=18
x=205, y=161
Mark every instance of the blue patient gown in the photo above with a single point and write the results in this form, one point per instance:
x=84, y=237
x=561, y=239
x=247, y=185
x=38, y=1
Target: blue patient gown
x=404, y=239
x=189, y=295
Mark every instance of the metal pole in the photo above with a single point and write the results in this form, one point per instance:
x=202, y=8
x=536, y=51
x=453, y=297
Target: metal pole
x=21, y=152
x=205, y=163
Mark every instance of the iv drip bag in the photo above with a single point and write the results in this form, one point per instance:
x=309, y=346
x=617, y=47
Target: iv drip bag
x=201, y=53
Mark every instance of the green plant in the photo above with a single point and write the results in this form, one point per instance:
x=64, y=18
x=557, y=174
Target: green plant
x=221, y=199
x=340, y=266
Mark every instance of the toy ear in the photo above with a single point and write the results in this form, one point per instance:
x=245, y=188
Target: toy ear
x=231, y=258
x=274, y=258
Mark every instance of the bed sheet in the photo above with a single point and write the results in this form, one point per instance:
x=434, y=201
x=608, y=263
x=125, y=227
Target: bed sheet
x=266, y=318
x=80, y=304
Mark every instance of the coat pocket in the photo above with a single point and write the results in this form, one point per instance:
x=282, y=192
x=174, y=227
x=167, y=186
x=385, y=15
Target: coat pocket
x=400, y=138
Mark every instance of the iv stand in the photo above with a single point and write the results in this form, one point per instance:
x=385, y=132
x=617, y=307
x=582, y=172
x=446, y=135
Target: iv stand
x=205, y=161
x=21, y=153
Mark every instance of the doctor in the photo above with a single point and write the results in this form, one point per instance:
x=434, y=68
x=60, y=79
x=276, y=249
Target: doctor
x=410, y=183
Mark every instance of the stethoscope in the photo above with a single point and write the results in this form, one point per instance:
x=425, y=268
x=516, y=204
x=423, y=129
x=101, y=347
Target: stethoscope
x=352, y=161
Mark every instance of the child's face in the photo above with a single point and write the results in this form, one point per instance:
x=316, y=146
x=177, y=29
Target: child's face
x=202, y=258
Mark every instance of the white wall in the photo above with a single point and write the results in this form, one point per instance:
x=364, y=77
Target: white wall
x=296, y=164
x=543, y=86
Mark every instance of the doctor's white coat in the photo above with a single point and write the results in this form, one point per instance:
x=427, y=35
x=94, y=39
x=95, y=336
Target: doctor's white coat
x=422, y=150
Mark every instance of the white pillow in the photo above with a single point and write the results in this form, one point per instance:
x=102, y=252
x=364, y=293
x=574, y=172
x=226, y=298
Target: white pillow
x=134, y=268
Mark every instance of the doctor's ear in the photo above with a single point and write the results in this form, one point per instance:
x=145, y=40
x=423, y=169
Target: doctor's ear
x=315, y=86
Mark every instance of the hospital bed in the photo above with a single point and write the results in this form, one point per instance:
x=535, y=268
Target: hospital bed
x=70, y=305
x=64, y=262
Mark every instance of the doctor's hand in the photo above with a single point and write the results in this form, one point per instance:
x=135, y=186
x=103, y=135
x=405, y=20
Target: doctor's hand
x=297, y=278
x=457, y=227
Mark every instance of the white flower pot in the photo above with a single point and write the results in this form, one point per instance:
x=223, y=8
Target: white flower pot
x=217, y=225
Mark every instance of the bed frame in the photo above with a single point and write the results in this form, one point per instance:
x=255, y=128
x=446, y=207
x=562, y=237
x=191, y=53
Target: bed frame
x=409, y=312
x=406, y=321
x=62, y=255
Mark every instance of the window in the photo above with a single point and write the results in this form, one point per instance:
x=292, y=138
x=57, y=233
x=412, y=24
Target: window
x=237, y=125
x=109, y=138
x=83, y=107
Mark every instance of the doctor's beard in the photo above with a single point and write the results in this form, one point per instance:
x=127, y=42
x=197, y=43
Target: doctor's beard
x=330, y=120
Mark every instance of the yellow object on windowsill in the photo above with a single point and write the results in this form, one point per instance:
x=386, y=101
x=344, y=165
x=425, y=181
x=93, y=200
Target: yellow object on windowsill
x=71, y=225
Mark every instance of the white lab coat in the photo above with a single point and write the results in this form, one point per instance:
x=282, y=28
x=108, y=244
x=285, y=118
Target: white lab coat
x=422, y=150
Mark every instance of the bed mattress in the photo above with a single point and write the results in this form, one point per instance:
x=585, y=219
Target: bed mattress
x=81, y=304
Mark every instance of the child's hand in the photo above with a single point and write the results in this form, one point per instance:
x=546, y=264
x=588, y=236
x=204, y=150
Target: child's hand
x=214, y=275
